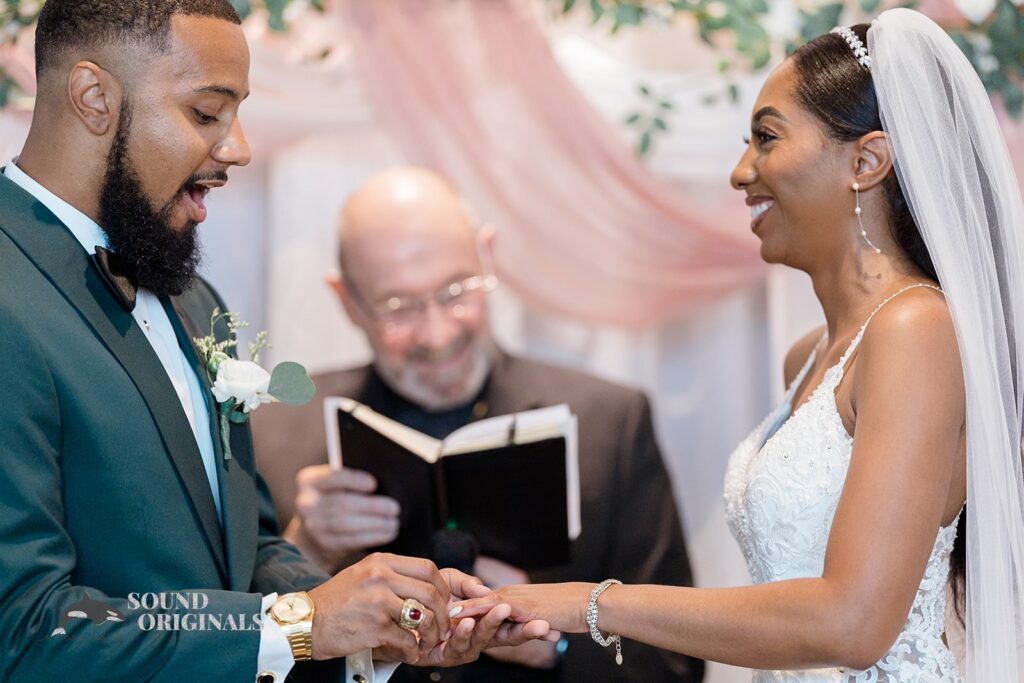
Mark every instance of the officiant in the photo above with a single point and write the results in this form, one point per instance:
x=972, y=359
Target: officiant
x=414, y=276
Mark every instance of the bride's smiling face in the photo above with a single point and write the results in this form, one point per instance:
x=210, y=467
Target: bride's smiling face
x=796, y=183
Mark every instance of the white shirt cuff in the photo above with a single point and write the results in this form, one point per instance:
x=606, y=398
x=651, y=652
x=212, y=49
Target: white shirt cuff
x=275, y=655
x=361, y=665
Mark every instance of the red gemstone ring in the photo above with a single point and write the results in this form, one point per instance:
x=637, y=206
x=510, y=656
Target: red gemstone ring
x=413, y=613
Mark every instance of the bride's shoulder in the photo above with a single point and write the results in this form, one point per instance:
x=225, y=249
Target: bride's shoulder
x=913, y=331
x=914, y=321
x=800, y=352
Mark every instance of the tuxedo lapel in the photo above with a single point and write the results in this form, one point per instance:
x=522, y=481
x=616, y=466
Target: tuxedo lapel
x=235, y=477
x=59, y=256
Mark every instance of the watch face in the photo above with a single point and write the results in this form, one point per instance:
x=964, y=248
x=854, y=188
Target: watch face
x=291, y=608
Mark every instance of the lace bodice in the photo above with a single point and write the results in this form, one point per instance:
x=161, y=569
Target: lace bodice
x=782, y=487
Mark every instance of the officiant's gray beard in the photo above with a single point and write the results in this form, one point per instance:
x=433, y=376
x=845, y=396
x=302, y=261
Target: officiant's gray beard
x=406, y=381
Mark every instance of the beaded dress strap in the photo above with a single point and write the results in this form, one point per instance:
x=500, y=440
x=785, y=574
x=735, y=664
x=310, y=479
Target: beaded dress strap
x=860, y=334
x=807, y=366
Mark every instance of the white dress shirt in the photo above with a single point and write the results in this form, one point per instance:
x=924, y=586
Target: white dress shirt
x=275, y=655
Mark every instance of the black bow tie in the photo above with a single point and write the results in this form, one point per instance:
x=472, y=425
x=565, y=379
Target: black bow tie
x=119, y=276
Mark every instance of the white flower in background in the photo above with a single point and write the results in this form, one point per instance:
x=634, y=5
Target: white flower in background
x=980, y=42
x=244, y=381
x=782, y=21
x=812, y=6
x=986, y=62
x=976, y=11
x=717, y=9
x=664, y=11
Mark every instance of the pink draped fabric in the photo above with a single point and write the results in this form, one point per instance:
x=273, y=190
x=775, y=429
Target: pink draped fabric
x=19, y=65
x=471, y=89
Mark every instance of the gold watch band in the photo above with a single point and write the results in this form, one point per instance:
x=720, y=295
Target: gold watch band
x=300, y=638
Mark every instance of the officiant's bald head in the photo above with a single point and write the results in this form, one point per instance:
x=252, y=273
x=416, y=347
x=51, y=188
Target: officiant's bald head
x=412, y=205
x=413, y=278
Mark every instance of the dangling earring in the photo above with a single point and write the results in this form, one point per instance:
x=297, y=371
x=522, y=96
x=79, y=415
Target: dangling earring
x=863, y=232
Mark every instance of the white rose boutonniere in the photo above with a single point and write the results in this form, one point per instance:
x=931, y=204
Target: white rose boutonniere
x=243, y=380
x=242, y=386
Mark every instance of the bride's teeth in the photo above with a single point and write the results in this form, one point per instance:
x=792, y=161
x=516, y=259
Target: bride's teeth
x=758, y=209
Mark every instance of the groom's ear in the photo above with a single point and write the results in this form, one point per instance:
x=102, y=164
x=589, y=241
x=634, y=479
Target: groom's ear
x=94, y=95
x=873, y=160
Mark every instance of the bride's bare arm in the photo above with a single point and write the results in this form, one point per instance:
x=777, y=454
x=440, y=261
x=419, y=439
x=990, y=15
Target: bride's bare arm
x=906, y=478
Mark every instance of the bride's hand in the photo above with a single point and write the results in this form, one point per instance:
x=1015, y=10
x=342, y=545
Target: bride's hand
x=562, y=605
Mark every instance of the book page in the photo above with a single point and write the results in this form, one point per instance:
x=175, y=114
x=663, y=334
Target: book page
x=417, y=442
x=494, y=432
x=574, y=501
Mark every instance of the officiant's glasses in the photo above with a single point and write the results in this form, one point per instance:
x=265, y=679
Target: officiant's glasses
x=404, y=312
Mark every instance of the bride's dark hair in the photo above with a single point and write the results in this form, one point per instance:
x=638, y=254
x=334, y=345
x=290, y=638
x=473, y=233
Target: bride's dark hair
x=832, y=85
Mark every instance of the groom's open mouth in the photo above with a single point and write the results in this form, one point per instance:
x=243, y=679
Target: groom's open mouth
x=194, y=194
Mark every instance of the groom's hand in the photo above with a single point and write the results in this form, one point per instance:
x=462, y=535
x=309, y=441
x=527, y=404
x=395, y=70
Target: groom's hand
x=360, y=607
x=469, y=637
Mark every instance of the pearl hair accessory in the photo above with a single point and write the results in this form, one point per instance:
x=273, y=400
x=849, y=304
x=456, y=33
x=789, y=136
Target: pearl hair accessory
x=859, y=51
x=857, y=211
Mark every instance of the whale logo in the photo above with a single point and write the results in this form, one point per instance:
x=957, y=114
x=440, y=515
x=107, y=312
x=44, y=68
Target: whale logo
x=87, y=608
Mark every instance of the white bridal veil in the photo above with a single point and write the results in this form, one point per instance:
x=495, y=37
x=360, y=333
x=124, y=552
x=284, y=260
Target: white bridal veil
x=955, y=171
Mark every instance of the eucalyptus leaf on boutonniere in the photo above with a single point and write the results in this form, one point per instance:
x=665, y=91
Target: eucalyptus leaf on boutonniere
x=242, y=386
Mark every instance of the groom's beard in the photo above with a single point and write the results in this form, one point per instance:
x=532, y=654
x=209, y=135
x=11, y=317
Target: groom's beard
x=165, y=260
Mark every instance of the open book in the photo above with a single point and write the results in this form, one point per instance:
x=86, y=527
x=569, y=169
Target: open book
x=512, y=480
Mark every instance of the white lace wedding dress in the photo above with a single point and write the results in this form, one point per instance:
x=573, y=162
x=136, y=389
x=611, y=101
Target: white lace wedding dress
x=782, y=486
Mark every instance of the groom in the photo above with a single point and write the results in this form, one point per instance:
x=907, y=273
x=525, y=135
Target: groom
x=116, y=489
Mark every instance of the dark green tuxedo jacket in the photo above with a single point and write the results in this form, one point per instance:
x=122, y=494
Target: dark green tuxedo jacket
x=103, y=489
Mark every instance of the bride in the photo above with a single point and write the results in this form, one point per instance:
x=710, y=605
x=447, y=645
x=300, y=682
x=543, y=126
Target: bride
x=875, y=164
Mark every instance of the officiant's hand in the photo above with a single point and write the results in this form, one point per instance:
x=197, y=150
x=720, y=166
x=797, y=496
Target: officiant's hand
x=359, y=609
x=535, y=654
x=337, y=516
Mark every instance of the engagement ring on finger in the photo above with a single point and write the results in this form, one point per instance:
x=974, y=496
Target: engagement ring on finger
x=413, y=613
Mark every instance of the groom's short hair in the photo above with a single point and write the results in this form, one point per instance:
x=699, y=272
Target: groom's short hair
x=79, y=25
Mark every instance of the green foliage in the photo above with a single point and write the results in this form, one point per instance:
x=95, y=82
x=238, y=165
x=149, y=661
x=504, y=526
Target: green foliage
x=822, y=21
x=290, y=384
x=24, y=12
x=738, y=30
x=275, y=12
x=6, y=88
x=243, y=7
x=652, y=121
x=17, y=15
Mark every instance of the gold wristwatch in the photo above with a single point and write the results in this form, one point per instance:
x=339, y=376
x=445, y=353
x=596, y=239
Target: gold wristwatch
x=294, y=614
